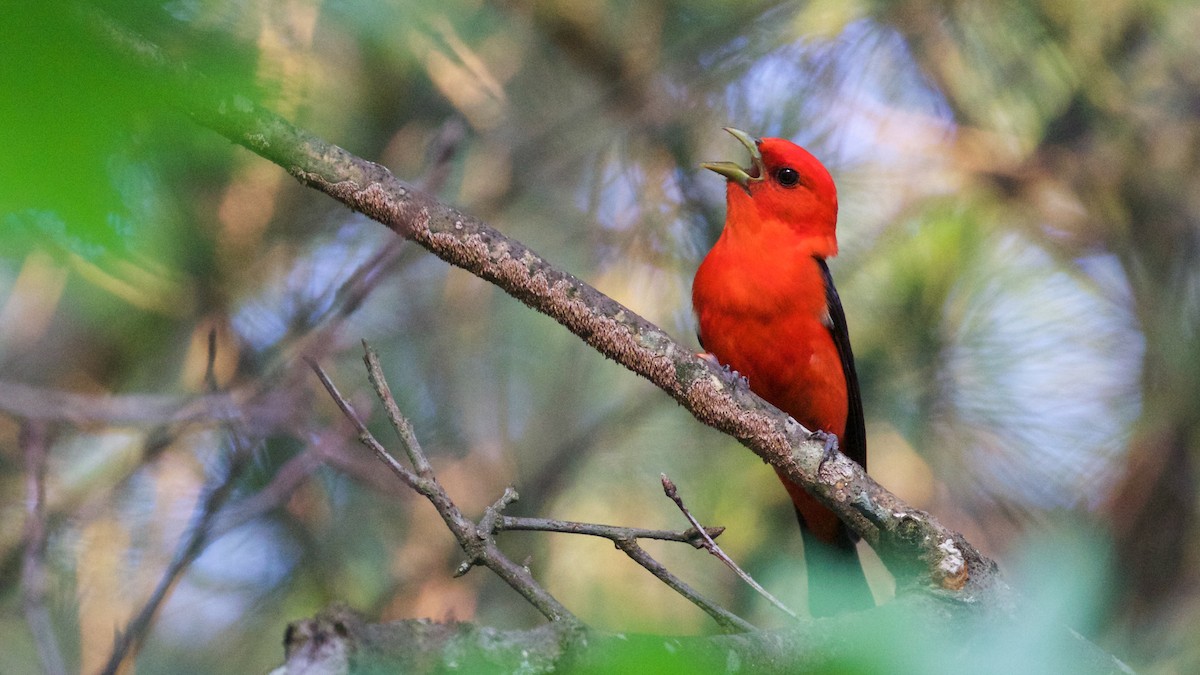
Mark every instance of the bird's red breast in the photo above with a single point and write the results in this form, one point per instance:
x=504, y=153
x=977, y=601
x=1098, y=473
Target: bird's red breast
x=762, y=297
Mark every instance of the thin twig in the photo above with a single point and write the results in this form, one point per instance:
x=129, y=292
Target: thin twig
x=210, y=365
x=478, y=543
x=728, y=621
x=364, y=279
x=364, y=435
x=354, y=291
x=34, y=579
x=625, y=539
x=404, y=428
x=711, y=546
x=471, y=536
x=487, y=524
x=194, y=542
x=613, y=532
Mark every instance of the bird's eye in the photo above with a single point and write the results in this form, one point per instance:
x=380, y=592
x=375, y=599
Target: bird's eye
x=787, y=176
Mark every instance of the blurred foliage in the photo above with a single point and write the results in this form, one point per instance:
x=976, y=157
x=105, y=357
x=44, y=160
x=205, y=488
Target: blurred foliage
x=1019, y=229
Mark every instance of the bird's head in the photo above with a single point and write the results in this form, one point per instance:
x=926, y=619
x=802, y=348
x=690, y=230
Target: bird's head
x=785, y=189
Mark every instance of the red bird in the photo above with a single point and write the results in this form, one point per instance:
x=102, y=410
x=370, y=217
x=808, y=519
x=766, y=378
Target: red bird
x=767, y=308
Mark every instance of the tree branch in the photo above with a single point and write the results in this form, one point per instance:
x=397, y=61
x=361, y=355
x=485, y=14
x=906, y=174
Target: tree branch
x=37, y=403
x=917, y=549
x=729, y=622
x=199, y=534
x=626, y=539
x=476, y=540
x=612, y=532
x=706, y=542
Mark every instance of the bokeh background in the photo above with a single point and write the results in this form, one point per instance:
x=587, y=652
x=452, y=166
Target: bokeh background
x=1020, y=218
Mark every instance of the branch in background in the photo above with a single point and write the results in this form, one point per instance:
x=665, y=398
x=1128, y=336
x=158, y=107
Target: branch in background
x=34, y=440
x=284, y=483
x=916, y=548
x=476, y=541
x=195, y=539
x=193, y=543
x=354, y=291
x=36, y=403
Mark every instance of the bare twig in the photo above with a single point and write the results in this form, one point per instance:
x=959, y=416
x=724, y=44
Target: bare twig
x=476, y=541
x=728, y=621
x=404, y=429
x=613, y=532
x=34, y=580
x=210, y=365
x=471, y=536
x=365, y=278
x=193, y=543
x=367, y=438
x=625, y=539
x=707, y=543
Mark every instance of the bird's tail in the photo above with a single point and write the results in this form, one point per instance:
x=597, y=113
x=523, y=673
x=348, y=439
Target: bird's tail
x=836, y=582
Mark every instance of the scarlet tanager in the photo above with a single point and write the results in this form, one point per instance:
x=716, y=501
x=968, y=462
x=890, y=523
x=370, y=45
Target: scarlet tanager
x=767, y=308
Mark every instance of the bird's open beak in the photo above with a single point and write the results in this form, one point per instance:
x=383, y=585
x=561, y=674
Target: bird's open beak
x=732, y=171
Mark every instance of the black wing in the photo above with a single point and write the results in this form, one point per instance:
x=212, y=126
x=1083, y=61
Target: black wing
x=853, y=443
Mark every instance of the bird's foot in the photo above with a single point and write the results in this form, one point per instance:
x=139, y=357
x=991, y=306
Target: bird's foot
x=831, y=447
x=731, y=376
